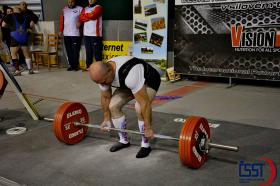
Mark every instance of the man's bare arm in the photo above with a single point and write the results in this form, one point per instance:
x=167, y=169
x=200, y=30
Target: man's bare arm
x=4, y=24
x=105, y=101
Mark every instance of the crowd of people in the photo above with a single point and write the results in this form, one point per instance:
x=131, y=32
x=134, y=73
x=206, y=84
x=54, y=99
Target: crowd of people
x=75, y=23
x=16, y=25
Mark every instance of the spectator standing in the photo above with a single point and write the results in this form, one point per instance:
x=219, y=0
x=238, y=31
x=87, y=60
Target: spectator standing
x=19, y=26
x=6, y=31
x=91, y=17
x=31, y=16
x=27, y=12
x=69, y=28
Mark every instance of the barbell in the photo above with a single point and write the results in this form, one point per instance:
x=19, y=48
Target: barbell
x=71, y=123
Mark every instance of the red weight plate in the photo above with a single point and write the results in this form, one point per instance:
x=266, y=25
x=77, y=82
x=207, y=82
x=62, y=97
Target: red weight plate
x=58, y=121
x=194, y=157
x=183, y=139
x=3, y=83
x=63, y=124
x=58, y=117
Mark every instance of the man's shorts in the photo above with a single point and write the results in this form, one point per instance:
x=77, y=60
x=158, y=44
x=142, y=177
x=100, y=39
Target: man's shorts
x=14, y=43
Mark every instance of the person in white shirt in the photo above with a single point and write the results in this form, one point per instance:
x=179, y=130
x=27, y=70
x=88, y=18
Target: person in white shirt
x=91, y=18
x=133, y=78
x=69, y=27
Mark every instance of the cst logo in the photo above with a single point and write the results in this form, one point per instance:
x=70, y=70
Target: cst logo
x=254, y=172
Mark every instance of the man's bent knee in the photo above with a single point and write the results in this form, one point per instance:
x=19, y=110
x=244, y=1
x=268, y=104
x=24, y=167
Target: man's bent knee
x=115, y=110
x=138, y=111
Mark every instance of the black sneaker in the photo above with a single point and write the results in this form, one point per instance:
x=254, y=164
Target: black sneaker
x=70, y=69
x=118, y=146
x=30, y=71
x=143, y=152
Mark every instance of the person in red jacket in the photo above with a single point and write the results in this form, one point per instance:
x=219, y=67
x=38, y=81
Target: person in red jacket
x=69, y=27
x=91, y=18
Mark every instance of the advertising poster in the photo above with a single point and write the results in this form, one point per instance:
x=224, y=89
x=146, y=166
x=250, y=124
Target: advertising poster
x=228, y=38
x=115, y=48
x=110, y=49
x=150, y=31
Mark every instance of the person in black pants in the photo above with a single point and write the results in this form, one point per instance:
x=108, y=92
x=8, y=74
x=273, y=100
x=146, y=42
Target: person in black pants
x=69, y=28
x=6, y=31
x=31, y=16
x=91, y=18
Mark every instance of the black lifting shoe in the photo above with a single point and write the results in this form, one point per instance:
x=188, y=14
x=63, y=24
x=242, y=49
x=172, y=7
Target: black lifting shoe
x=119, y=146
x=70, y=69
x=143, y=152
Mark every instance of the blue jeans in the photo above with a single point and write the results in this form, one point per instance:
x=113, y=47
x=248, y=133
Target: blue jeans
x=93, y=47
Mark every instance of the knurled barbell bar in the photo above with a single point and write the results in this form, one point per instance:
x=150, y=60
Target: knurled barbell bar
x=204, y=145
x=71, y=123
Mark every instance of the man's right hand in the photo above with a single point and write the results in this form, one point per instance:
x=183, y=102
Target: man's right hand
x=105, y=125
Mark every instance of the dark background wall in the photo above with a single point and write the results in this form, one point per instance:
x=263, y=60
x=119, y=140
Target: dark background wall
x=114, y=9
x=117, y=16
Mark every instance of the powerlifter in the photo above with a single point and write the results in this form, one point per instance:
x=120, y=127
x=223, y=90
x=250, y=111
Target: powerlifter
x=132, y=78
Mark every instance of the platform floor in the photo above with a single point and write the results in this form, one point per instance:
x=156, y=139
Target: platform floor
x=246, y=115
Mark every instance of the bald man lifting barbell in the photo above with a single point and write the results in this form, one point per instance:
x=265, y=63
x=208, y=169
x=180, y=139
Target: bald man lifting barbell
x=133, y=78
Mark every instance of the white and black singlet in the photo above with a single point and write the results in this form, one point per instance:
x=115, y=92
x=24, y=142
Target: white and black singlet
x=133, y=73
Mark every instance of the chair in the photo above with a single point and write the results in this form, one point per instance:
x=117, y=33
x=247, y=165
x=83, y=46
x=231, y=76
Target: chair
x=51, y=50
x=37, y=45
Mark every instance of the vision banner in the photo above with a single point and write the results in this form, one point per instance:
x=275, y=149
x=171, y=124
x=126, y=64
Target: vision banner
x=150, y=31
x=228, y=38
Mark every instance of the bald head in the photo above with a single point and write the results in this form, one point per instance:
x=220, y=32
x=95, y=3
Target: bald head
x=71, y=3
x=98, y=72
x=91, y=1
x=23, y=5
